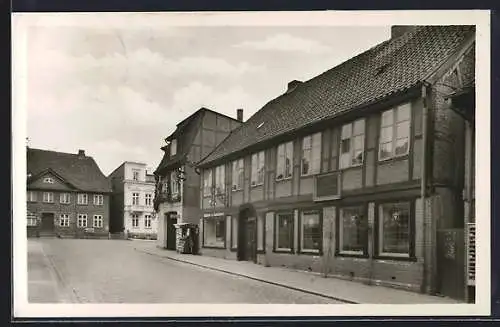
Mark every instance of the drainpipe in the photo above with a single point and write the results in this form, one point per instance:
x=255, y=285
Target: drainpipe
x=423, y=189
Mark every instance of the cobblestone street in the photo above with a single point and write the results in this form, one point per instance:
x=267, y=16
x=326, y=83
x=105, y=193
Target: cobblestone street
x=111, y=271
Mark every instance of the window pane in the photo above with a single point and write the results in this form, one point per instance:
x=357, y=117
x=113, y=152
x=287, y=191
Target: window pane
x=306, y=142
x=404, y=112
x=395, y=231
x=345, y=159
x=214, y=231
x=385, y=150
x=357, y=158
x=386, y=134
x=353, y=231
x=346, y=131
x=285, y=231
x=306, y=162
x=359, y=127
x=403, y=129
x=401, y=146
x=311, y=231
x=345, y=146
x=359, y=143
x=387, y=118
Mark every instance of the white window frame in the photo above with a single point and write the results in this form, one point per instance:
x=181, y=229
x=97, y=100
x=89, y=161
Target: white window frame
x=147, y=221
x=276, y=231
x=98, y=221
x=31, y=196
x=311, y=144
x=257, y=168
x=207, y=182
x=238, y=174
x=392, y=124
x=82, y=221
x=32, y=221
x=301, y=234
x=135, y=198
x=220, y=180
x=380, y=231
x=135, y=220
x=48, y=180
x=98, y=199
x=350, y=133
x=48, y=197
x=65, y=198
x=83, y=198
x=64, y=220
x=173, y=147
x=284, y=151
x=148, y=199
x=341, y=229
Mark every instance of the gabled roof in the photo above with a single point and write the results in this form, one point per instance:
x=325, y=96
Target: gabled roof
x=81, y=172
x=184, y=133
x=392, y=67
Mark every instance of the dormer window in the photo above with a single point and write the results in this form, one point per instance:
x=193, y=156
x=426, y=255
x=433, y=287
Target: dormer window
x=48, y=180
x=173, y=148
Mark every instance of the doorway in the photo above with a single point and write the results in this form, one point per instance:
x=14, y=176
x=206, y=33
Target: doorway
x=451, y=263
x=247, y=236
x=47, y=223
x=171, y=234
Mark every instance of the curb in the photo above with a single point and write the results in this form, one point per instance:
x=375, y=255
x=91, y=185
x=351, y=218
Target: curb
x=253, y=278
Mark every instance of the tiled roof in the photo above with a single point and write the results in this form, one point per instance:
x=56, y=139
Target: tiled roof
x=388, y=68
x=81, y=172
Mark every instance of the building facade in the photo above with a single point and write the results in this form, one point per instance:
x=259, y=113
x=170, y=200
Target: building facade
x=177, y=180
x=67, y=195
x=132, y=211
x=349, y=174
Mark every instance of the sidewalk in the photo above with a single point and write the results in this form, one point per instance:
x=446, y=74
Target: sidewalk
x=333, y=288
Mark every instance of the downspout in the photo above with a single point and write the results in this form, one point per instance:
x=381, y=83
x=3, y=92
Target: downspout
x=423, y=188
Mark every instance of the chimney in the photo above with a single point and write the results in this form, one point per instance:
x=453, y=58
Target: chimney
x=239, y=114
x=398, y=30
x=81, y=153
x=293, y=85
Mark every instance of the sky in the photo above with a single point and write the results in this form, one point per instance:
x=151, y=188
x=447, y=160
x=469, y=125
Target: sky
x=117, y=91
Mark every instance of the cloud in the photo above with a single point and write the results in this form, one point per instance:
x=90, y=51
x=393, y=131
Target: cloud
x=286, y=42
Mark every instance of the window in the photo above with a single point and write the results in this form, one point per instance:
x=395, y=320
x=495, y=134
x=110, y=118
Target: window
x=83, y=198
x=98, y=199
x=238, y=170
x=135, y=221
x=207, y=182
x=48, y=180
x=258, y=168
x=284, y=162
x=148, y=199
x=135, y=198
x=97, y=223
x=135, y=174
x=214, y=231
x=284, y=231
x=260, y=233
x=174, y=183
x=147, y=221
x=352, y=144
x=82, y=220
x=32, y=220
x=31, y=196
x=234, y=232
x=64, y=198
x=311, y=154
x=64, y=220
x=353, y=233
x=310, y=231
x=394, y=229
x=395, y=132
x=173, y=148
x=220, y=186
x=48, y=197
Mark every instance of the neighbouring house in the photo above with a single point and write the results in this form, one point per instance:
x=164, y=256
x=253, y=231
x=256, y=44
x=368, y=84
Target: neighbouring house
x=177, y=181
x=356, y=173
x=67, y=195
x=132, y=212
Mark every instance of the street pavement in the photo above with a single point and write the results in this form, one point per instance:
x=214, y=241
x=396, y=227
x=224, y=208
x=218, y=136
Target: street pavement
x=111, y=271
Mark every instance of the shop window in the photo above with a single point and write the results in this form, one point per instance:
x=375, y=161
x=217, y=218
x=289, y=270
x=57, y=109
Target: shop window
x=214, y=232
x=310, y=231
x=394, y=224
x=284, y=231
x=352, y=232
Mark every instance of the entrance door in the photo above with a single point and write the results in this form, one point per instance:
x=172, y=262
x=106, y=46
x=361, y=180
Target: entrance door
x=171, y=221
x=251, y=242
x=451, y=263
x=47, y=224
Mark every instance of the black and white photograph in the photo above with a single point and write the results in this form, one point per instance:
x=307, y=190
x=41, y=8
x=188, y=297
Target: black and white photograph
x=251, y=163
